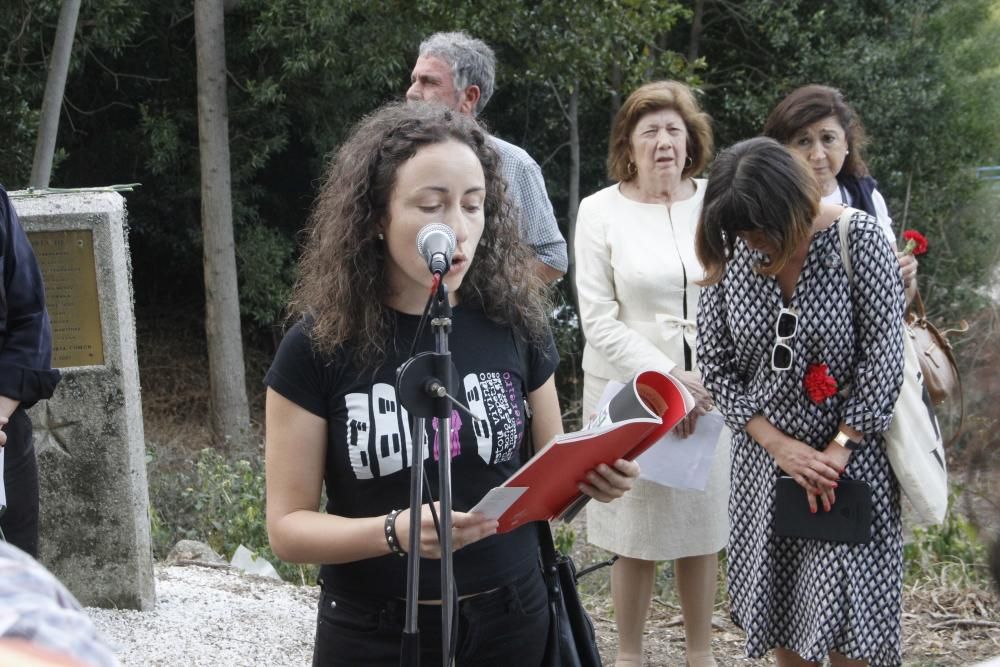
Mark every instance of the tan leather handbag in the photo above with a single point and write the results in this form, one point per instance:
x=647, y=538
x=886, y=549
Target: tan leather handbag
x=937, y=361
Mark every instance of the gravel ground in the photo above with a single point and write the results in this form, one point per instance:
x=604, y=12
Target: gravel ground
x=219, y=617
x=208, y=616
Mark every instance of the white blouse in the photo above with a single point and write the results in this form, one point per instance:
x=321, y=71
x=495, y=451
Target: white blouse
x=635, y=276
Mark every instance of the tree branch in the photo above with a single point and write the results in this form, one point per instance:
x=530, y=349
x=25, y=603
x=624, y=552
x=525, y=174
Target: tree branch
x=559, y=101
x=93, y=112
x=553, y=153
x=117, y=75
x=231, y=77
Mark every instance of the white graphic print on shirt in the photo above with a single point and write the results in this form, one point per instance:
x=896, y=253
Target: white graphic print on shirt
x=378, y=427
x=491, y=397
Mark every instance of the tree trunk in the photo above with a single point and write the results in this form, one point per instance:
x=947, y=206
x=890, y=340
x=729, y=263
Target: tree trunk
x=697, y=26
x=573, y=114
x=55, y=85
x=230, y=414
x=616, y=91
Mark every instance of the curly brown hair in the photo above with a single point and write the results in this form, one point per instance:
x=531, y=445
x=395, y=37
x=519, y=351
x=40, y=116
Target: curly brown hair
x=341, y=283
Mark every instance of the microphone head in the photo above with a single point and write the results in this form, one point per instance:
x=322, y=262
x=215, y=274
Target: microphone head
x=436, y=244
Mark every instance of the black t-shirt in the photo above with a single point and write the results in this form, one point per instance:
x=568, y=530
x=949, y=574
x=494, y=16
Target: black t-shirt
x=368, y=434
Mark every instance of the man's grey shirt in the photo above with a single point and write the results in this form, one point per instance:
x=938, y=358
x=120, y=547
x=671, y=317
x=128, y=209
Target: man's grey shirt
x=526, y=188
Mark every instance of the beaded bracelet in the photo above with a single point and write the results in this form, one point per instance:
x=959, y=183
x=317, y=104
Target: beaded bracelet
x=390, y=533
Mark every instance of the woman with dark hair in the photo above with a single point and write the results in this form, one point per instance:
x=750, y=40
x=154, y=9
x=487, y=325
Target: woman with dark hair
x=636, y=280
x=333, y=415
x=805, y=364
x=817, y=123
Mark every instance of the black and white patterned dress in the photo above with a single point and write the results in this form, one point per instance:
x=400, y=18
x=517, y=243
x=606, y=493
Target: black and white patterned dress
x=810, y=596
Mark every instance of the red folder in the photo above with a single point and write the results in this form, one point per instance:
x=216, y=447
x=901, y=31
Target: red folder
x=642, y=412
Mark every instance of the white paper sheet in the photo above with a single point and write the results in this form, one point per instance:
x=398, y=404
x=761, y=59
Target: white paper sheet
x=498, y=500
x=672, y=461
x=683, y=463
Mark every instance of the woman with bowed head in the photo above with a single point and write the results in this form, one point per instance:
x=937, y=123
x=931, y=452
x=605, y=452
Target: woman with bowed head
x=805, y=363
x=817, y=123
x=333, y=417
x=637, y=279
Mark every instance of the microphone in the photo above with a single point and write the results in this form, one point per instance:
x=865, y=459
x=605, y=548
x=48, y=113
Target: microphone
x=436, y=244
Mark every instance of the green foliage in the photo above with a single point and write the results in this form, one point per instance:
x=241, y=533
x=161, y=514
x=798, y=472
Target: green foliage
x=550, y=50
x=266, y=271
x=170, y=513
x=924, y=76
x=952, y=552
x=23, y=24
x=222, y=505
x=564, y=537
x=160, y=533
x=228, y=502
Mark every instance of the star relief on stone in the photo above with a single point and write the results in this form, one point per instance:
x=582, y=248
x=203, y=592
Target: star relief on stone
x=50, y=432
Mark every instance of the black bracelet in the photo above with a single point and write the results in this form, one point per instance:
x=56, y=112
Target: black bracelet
x=390, y=533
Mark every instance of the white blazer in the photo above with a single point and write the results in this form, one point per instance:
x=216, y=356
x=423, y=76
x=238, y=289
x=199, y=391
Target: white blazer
x=636, y=270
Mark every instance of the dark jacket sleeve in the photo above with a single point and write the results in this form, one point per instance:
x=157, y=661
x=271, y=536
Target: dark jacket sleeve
x=26, y=372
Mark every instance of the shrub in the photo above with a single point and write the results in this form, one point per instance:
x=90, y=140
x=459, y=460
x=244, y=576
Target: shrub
x=950, y=552
x=222, y=505
x=564, y=537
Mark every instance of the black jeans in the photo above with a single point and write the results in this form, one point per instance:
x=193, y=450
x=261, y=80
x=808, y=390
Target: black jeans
x=20, y=477
x=504, y=628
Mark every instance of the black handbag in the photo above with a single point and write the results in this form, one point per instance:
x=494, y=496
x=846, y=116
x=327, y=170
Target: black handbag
x=572, y=641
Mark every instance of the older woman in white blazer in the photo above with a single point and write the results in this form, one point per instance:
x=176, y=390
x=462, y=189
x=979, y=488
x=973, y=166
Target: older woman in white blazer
x=636, y=281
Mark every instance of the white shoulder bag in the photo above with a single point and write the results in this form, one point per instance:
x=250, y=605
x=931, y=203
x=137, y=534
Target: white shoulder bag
x=913, y=441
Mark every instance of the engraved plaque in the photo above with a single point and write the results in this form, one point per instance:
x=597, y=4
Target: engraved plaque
x=67, y=261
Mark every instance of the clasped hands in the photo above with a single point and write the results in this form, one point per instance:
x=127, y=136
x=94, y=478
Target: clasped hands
x=604, y=483
x=815, y=471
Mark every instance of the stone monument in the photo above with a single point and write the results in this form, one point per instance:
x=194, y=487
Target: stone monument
x=95, y=531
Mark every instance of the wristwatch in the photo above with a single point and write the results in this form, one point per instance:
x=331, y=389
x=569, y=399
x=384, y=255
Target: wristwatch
x=845, y=441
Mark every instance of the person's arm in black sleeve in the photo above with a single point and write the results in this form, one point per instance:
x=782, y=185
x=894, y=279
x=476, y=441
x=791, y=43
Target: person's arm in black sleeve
x=26, y=376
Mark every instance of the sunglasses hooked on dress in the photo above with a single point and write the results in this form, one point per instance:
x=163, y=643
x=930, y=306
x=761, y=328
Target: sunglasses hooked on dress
x=785, y=328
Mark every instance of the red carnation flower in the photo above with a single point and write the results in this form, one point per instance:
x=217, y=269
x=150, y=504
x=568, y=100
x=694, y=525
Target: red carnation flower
x=819, y=384
x=915, y=242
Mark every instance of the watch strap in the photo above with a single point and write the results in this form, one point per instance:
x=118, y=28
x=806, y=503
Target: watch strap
x=845, y=441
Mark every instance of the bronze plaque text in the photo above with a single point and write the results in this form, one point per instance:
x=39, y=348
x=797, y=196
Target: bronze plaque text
x=67, y=261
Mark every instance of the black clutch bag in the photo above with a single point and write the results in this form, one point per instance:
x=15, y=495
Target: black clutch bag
x=849, y=519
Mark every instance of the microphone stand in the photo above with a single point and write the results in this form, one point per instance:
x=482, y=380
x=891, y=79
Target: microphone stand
x=441, y=326
x=425, y=386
